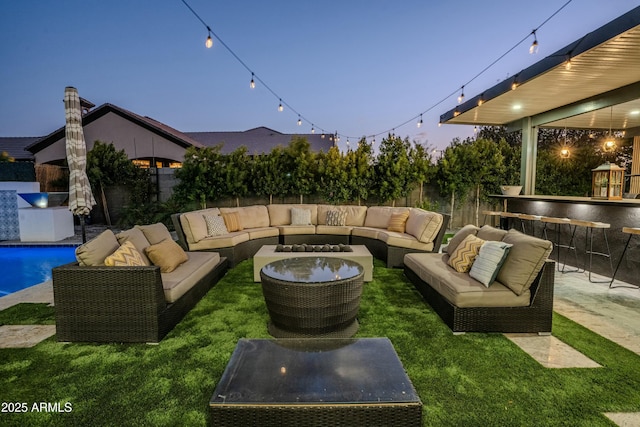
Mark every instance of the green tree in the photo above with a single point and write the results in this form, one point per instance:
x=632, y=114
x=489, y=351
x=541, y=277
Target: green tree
x=301, y=167
x=422, y=167
x=392, y=169
x=201, y=177
x=106, y=167
x=484, y=168
x=359, y=164
x=236, y=170
x=451, y=176
x=333, y=176
x=268, y=177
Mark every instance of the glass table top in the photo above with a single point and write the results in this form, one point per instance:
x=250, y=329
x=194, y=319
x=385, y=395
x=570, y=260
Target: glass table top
x=291, y=371
x=312, y=269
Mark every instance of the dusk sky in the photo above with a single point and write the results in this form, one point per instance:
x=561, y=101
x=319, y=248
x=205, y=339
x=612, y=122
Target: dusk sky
x=352, y=66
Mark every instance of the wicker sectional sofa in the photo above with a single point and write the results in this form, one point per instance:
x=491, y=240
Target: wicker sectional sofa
x=119, y=303
x=272, y=224
x=518, y=297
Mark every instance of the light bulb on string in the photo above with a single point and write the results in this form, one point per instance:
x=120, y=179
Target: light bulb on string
x=461, y=96
x=419, y=124
x=252, y=84
x=280, y=107
x=313, y=131
x=514, y=84
x=568, y=64
x=299, y=120
x=322, y=136
x=209, y=41
x=534, y=46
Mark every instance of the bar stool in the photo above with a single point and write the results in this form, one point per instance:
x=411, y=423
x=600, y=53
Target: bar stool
x=505, y=217
x=491, y=214
x=590, y=226
x=557, y=226
x=530, y=220
x=632, y=231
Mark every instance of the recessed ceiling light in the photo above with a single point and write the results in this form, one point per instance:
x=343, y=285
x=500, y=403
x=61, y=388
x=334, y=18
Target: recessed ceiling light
x=517, y=107
x=634, y=112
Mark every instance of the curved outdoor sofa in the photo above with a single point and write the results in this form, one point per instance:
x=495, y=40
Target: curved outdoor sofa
x=517, y=296
x=142, y=303
x=412, y=229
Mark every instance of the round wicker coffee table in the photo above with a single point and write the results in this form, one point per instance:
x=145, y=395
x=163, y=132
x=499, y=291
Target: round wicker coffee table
x=312, y=296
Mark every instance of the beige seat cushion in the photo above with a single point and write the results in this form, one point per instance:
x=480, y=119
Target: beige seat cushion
x=289, y=230
x=403, y=240
x=524, y=262
x=262, y=232
x=459, y=288
x=379, y=216
x=194, y=225
x=256, y=216
x=155, y=233
x=186, y=275
x=217, y=242
x=280, y=214
x=370, y=232
x=424, y=225
x=135, y=236
x=355, y=214
x=97, y=249
x=334, y=230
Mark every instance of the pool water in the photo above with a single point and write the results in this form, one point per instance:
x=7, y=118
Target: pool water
x=23, y=267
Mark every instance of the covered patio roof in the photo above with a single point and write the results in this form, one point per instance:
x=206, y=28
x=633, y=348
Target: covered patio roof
x=605, y=71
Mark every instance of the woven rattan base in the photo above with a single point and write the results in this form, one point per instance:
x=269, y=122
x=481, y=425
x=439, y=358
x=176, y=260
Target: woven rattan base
x=348, y=331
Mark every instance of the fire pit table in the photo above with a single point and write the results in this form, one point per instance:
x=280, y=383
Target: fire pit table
x=312, y=296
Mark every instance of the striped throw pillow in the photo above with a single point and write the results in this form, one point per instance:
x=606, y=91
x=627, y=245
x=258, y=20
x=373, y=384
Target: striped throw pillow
x=488, y=262
x=232, y=221
x=215, y=225
x=336, y=217
x=463, y=256
x=125, y=256
x=398, y=221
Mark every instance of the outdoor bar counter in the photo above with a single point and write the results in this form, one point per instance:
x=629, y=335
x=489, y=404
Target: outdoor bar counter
x=618, y=213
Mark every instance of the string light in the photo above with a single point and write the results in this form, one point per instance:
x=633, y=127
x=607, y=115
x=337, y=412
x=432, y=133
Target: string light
x=461, y=96
x=322, y=136
x=481, y=99
x=209, y=41
x=534, y=46
x=299, y=120
x=419, y=124
x=567, y=64
x=313, y=131
x=514, y=85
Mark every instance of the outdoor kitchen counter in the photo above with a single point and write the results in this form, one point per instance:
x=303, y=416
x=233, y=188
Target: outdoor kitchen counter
x=618, y=213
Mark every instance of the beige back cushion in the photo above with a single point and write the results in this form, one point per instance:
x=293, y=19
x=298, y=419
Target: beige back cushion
x=424, y=225
x=155, y=233
x=135, y=236
x=280, y=214
x=355, y=214
x=194, y=225
x=256, y=216
x=378, y=216
x=460, y=236
x=488, y=232
x=97, y=249
x=524, y=262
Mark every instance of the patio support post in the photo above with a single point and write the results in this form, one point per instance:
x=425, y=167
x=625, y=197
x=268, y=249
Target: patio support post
x=528, y=156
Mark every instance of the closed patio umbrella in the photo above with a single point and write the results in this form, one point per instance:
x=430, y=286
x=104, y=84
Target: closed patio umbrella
x=80, y=197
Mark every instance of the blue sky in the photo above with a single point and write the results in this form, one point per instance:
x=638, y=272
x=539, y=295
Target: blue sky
x=357, y=67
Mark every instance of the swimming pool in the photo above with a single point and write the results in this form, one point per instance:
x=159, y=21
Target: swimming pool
x=26, y=266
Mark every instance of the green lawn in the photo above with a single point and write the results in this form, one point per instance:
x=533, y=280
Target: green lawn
x=466, y=380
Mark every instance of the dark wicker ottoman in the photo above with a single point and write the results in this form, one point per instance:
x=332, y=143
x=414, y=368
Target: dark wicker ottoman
x=315, y=382
x=312, y=297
